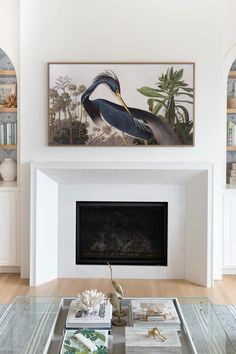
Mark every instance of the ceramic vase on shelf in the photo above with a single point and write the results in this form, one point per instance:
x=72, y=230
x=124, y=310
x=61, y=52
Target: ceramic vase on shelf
x=8, y=170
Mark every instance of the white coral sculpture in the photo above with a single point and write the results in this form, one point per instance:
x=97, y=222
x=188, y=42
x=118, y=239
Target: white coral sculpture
x=89, y=301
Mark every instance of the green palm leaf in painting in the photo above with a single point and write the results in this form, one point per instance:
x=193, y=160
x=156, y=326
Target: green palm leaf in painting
x=169, y=101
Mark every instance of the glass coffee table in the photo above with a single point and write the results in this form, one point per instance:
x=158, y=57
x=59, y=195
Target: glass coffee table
x=35, y=325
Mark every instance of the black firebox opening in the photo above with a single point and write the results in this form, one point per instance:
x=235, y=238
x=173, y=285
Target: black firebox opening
x=129, y=233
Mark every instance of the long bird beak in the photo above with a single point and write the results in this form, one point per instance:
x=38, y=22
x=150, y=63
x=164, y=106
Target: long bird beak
x=122, y=102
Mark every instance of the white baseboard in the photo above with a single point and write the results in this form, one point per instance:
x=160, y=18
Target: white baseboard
x=229, y=270
x=8, y=269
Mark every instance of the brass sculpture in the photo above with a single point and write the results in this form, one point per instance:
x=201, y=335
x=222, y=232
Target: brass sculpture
x=155, y=333
x=115, y=299
x=116, y=286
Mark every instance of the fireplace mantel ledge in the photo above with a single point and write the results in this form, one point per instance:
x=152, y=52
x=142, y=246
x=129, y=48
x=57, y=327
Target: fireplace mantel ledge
x=116, y=165
x=175, y=173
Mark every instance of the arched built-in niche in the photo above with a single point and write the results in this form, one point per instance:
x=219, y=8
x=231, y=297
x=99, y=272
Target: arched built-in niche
x=8, y=108
x=231, y=126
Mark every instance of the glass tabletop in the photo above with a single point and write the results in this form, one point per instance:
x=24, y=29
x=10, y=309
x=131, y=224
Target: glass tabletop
x=212, y=327
x=26, y=327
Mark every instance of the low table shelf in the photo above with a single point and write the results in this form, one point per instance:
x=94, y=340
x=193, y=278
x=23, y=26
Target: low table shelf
x=35, y=325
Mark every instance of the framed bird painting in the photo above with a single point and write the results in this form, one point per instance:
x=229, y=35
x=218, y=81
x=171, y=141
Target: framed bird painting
x=121, y=104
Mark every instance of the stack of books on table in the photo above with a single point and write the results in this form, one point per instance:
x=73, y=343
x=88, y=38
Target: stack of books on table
x=138, y=341
x=85, y=341
x=231, y=173
x=155, y=313
x=79, y=319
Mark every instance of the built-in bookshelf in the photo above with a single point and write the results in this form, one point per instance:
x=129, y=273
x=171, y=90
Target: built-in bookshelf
x=232, y=73
x=7, y=73
x=231, y=148
x=231, y=126
x=8, y=110
x=8, y=146
x=231, y=110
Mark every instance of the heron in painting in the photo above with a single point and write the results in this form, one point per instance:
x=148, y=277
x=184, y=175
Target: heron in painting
x=135, y=122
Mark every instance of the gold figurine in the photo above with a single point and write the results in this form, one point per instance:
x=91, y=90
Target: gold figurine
x=116, y=286
x=115, y=300
x=155, y=333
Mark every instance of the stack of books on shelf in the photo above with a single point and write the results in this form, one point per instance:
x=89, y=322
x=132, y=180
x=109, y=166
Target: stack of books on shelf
x=231, y=173
x=79, y=319
x=85, y=341
x=231, y=133
x=7, y=133
x=155, y=313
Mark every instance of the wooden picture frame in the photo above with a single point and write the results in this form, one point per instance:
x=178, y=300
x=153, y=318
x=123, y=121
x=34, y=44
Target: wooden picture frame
x=121, y=104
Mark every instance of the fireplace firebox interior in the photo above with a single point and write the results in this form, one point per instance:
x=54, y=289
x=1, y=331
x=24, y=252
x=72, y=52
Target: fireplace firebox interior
x=125, y=233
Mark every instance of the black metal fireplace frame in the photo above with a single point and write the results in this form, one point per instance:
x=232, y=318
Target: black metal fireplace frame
x=134, y=261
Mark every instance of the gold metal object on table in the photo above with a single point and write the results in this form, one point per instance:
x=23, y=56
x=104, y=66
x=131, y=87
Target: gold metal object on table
x=119, y=293
x=119, y=322
x=115, y=301
x=155, y=333
x=116, y=286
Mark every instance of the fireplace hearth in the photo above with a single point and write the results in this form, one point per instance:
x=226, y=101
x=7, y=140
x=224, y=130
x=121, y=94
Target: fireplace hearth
x=128, y=233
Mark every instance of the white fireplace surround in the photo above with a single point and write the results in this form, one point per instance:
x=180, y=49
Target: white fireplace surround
x=56, y=186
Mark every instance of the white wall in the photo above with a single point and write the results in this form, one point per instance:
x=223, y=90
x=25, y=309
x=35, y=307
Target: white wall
x=43, y=266
x=9, y=30
x=174, y=195
x=197, y=226
x=134, y=30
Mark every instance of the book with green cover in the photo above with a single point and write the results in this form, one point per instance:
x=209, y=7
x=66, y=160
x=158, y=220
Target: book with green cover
x=85, y=341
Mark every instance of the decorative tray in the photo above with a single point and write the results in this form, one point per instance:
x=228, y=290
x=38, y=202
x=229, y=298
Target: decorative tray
x=118, y=333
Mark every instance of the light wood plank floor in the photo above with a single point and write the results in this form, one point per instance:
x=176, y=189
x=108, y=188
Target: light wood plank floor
x=224, y=292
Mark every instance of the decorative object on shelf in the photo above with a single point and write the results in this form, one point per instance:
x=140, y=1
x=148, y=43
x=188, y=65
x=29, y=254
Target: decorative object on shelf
x=165, y=117
x=8, y=170
x=10, y=101
x=90, y=301
x=156, y=333
x=119, y=292
x=6, y=90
